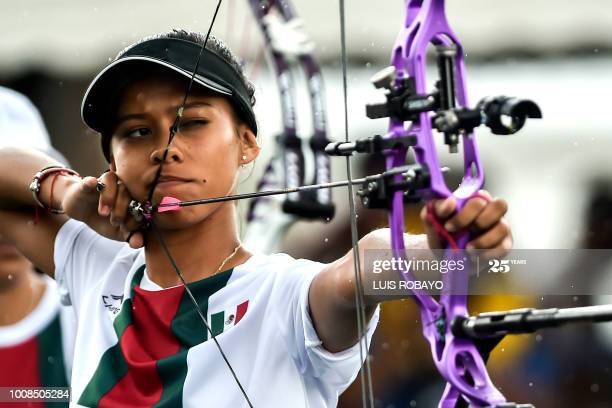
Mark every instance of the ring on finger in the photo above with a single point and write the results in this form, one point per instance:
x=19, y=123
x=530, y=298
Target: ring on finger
x=136, y=210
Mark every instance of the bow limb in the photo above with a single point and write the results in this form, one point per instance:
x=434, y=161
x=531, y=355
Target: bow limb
x=458, y=361
x=288, y=44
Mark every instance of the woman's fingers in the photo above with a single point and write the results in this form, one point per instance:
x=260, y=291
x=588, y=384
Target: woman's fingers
x=444, y=208
x=113, y=204
x=121, y=217
x=500, y=250
x=493, y=237
x=482, y=215
x=88, y=184
x=108, y=194
x=80, y=199
x=464, y=218
x=492, y=214
x=120, y=206
x=135, y=237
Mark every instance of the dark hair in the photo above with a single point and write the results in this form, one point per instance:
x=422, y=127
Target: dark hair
x=213, y=44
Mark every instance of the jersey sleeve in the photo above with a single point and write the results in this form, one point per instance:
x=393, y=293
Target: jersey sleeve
x=81, y=259
x=331, y=372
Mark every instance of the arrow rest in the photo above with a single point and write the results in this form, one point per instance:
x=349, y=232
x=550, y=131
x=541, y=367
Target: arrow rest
x=377, y=191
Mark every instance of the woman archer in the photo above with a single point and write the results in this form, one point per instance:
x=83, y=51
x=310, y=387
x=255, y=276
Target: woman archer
x=287, y=326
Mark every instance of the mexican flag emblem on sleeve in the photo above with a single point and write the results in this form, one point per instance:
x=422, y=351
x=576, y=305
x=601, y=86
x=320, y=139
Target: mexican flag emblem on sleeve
x=224, y=320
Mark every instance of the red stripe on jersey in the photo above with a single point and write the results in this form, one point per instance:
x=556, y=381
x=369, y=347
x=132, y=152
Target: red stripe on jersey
x=19, y=368
x=149, y=338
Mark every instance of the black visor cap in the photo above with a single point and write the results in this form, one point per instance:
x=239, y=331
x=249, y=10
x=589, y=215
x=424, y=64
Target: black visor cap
x=174, y=55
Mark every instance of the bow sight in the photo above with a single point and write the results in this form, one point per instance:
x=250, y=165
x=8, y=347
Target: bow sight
x=503, y=115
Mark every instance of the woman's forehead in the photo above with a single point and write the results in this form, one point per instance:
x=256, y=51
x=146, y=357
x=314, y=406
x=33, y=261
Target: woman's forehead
x=164, y=89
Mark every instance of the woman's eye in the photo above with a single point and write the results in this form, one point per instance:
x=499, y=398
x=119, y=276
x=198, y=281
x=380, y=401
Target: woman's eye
x=136, y=133
x=192, y=123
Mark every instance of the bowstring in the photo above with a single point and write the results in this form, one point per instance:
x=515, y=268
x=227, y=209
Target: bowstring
x=173, y=131
x=367, y=393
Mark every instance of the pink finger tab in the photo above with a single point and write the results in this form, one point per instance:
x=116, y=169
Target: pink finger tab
x=169, y=204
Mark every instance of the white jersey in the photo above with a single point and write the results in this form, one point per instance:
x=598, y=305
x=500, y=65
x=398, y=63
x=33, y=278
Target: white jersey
x=141, y=345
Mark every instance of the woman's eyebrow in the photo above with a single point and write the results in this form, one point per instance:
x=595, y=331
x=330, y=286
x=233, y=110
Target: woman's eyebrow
x=129, y=116
x=193, y=105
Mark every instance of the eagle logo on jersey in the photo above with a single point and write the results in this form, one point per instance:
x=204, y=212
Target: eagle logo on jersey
x=112, y=302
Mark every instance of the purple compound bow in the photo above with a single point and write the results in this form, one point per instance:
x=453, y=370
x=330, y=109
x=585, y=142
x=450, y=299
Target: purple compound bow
x=414, y=113
x=286, y=41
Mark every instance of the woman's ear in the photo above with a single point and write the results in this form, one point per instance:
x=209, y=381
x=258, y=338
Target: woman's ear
x=249, y=146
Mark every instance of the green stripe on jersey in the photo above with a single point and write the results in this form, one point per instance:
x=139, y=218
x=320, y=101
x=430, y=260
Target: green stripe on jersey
x=189, y=331
x=186, y=326
x=112, y=366
x=51, y=358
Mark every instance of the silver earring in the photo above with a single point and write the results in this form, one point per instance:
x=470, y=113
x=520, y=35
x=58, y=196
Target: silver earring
x=244, y=157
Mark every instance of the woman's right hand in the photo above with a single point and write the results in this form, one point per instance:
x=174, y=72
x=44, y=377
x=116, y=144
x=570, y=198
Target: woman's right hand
x=105, y=211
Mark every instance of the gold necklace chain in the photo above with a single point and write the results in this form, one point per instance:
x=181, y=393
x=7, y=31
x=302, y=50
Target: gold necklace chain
x=227, y=259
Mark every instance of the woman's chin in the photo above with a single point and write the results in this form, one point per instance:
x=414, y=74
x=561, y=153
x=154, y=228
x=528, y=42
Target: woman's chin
x=179, y=219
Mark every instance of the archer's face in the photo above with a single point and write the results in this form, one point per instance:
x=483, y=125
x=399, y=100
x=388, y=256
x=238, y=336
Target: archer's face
x=204, y=157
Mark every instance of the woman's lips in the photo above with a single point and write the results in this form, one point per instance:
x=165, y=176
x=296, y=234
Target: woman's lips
x=170, y=184
x=171, y=181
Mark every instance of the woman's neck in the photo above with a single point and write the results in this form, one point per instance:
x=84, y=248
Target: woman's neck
x=198, y=251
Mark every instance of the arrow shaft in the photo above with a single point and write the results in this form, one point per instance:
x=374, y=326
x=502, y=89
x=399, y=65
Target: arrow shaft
x=333, y=184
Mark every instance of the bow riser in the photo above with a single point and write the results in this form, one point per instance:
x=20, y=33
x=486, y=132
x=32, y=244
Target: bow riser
x=457, y=360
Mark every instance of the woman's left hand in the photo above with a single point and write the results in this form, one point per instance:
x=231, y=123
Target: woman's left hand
x=485, y=220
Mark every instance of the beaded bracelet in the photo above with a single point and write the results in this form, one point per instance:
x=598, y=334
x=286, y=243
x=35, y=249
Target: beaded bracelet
x=40, y=176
